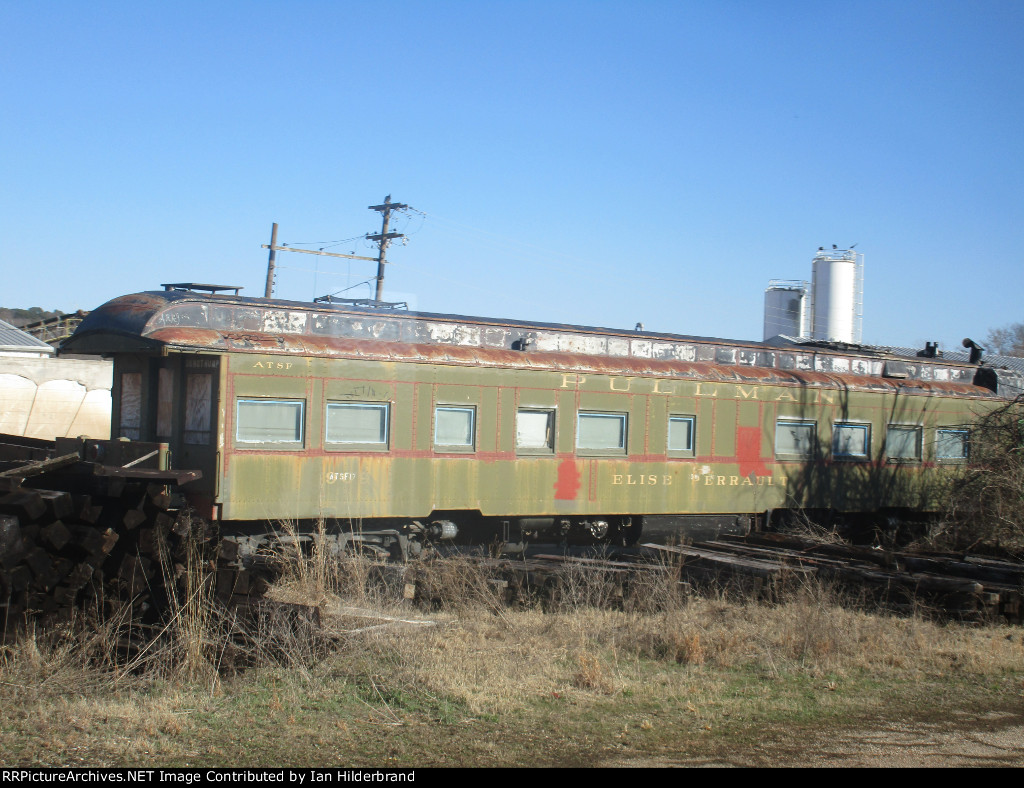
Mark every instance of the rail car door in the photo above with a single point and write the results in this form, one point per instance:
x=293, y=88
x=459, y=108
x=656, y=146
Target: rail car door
x=193, y=423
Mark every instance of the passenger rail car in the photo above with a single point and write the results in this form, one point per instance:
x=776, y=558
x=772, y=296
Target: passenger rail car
x=505, y=429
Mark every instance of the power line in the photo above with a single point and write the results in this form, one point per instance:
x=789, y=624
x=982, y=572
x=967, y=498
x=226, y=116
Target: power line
x=311, y=270
x=353, y=287
x=323, y=244
x=381, y=239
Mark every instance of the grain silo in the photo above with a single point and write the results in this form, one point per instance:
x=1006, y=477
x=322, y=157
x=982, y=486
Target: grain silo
x=785, y=309
x=837, y=295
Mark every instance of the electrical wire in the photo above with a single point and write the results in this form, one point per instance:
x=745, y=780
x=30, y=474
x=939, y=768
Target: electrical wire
x=521, y=250
x=309, y=270
x=352, y=287
x=323, y=243
x=500, y=241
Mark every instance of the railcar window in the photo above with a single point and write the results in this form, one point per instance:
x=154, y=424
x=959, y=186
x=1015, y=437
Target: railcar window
x=535, y=429
x=680, y=434
x=198, y=404
x=851, y=441
x=951, y=444
x=270, y=421
x=454, y=426
x=131, y=405
x=903, y=444
x=601, y=432
x=357, y=422
x=794, y=439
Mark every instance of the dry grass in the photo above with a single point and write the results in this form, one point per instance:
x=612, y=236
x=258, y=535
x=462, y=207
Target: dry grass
x=380, y=664
x=498, y=668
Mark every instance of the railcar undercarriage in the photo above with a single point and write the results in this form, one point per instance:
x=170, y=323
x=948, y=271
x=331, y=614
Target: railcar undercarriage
x=401, y=540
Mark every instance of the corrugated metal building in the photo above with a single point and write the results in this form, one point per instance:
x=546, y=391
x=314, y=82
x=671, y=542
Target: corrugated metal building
x=15, y=342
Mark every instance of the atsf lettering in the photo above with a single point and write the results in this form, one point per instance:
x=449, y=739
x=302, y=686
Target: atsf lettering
x=272, y=365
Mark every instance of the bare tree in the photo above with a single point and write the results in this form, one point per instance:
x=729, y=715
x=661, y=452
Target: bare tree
x=1007, y=341
x=985, y=503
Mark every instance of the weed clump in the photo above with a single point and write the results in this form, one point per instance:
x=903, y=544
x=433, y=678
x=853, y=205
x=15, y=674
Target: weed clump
x=985, y=497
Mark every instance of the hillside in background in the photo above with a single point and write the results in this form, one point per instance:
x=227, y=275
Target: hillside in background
x=21, y=317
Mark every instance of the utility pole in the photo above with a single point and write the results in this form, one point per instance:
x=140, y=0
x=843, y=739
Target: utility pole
x=384, y=238
x=270, y=262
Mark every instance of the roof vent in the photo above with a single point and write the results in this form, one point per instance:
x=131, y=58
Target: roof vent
x=931, y=350
x=193, y=287
x=976, y=350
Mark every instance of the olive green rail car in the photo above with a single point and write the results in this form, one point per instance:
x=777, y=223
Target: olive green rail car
x=303, y=411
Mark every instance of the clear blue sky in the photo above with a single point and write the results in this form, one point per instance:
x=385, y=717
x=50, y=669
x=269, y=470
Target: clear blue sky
x=590, y=162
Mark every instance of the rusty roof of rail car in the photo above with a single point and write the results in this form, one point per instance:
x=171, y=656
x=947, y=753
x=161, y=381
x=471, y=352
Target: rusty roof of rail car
x=224, y=323
x=137, y=313
x=297, y=345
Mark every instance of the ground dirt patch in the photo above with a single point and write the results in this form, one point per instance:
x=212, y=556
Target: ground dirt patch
x=991, y=739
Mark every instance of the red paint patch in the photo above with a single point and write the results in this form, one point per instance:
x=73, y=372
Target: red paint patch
x=748, y=452
x=567, y=487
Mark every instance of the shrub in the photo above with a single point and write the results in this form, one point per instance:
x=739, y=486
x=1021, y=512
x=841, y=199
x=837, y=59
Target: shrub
x=985, y=500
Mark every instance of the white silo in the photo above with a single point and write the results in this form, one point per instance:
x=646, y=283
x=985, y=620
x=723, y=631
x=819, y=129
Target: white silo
x=837, y=295
x=785, y=309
